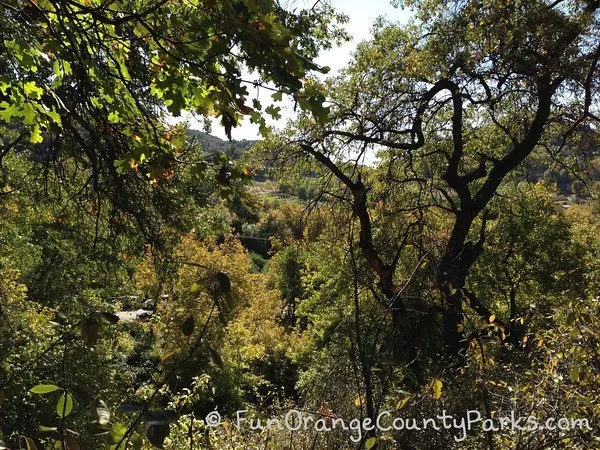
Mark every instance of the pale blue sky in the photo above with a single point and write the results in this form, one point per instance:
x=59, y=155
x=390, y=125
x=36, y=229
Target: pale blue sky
x=362, y=15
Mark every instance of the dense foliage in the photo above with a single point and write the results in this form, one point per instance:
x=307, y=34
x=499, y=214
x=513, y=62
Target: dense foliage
x=423, y=238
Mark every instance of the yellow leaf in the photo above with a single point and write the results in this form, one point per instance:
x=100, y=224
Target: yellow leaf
x=492, y=318
x=169, y=356
x=359, y=401
x=402, y=402
x=436, y=386
x=30, y=444
x=370, y=443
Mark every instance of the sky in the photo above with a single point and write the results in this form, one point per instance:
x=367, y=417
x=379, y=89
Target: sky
x=362, y=15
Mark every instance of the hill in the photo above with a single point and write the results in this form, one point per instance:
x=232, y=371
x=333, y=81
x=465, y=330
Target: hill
x=213, y=144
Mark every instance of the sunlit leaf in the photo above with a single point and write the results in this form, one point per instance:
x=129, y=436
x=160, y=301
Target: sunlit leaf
x=436, y=387
x=169, y=355
x=116, y=433
x=359, y=401
x=44, y=389
x=402, y=402
x=64, y=405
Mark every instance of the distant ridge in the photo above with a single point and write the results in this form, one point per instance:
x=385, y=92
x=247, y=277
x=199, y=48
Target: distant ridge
x=213, y=144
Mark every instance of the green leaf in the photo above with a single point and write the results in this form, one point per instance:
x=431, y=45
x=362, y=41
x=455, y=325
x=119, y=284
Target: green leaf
x=108, y=98
x=277, y=96
x=273, y=111
x=136, y=441
x=35, y=136
x=195, y=288
x=113, y=117
x=56, y=69
x=64, y=405
x=370, y=443
x=46, y=429
x=125, y=72
x=4, y=86
x=31, y=90
x=67, y=67
x=8, y=111
x=29, y=114
x=187, y=327
x=121, y=446
x=42, y=389
x=29, y=62
x=330, y=330
x=55, y=117
x=157, y=92
x=116, y=433
x=575, y=372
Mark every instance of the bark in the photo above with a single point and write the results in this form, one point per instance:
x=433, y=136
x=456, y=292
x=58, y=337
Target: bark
x=407, y=351
x=460, y=253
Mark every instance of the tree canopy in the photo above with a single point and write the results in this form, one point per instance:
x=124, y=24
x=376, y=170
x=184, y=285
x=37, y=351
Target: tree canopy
x=454, y=103
x=422, y=240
